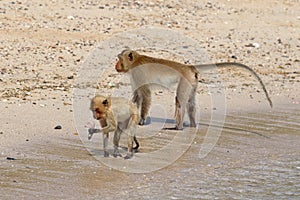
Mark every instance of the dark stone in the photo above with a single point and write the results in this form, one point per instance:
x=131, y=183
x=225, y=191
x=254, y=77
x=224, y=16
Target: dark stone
x=58, y=127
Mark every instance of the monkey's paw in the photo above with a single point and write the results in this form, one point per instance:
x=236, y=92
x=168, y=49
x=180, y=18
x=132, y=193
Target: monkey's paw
x=116, y=154
x=91, y=129
x=106, y=154
x=128, y=156
x=141, y=122
x=91, y=132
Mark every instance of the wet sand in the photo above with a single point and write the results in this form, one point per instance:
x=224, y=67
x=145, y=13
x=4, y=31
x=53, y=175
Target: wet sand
x=257, y=156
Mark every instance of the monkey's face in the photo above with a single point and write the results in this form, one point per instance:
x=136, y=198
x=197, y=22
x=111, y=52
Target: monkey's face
x=126, y=59
x=98, y=114
x=99, y=106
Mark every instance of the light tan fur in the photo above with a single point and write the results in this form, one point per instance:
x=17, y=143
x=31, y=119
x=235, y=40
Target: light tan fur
x=116, y=115
x=146, y=71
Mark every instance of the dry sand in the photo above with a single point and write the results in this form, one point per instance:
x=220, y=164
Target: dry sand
x=43, y=44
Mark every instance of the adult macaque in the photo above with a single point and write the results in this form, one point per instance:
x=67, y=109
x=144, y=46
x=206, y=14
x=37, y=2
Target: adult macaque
x=118, y=115
x=146, y=71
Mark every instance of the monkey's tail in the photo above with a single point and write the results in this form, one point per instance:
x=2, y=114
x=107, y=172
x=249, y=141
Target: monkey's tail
x=136, y=143
x=231, y=64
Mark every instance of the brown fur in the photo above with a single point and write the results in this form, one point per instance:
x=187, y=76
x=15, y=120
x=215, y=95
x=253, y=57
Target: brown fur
x=145, y=70
x=116, y=115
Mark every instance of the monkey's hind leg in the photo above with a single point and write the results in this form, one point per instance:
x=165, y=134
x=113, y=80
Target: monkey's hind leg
x=183, y=95
x=130, y=131
x=117, y=135
x=178, y=114
x=191, y=107
x=130, y=149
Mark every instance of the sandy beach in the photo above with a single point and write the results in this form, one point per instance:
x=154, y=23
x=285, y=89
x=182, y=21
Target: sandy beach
x=47, y=48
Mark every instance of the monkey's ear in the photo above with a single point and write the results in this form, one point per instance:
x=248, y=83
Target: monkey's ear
x=130, y=56
x=105, y=102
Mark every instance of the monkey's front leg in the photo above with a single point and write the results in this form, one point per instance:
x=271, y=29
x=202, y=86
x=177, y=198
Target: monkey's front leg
x=105, y=144
x=105, y=129
x=142, y=97
x=146, y=102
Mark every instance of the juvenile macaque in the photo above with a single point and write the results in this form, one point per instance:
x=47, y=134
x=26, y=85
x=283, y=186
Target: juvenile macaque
x=146, y=71
x=117, y=115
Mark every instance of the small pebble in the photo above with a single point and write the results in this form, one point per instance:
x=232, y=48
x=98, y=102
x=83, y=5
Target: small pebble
x=10, y=158
x=58, y=127
x=256, y=45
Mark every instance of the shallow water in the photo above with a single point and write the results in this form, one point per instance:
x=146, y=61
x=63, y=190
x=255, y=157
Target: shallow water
x=256, y=157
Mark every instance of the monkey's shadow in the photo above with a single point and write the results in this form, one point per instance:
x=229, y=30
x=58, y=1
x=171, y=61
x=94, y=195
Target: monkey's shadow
x=99, y=152
x=164, y=122
x=150, y=120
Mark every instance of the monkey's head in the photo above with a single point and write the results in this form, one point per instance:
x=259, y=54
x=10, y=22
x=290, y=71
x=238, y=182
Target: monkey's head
x=100, y=106
x=126, y=60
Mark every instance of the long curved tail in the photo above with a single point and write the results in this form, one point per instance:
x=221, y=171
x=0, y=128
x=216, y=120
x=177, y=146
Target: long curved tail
x=232, y=64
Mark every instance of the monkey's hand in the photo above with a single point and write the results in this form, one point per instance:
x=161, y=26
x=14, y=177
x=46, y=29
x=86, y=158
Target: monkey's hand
x=129, y=155
x=91, y=129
